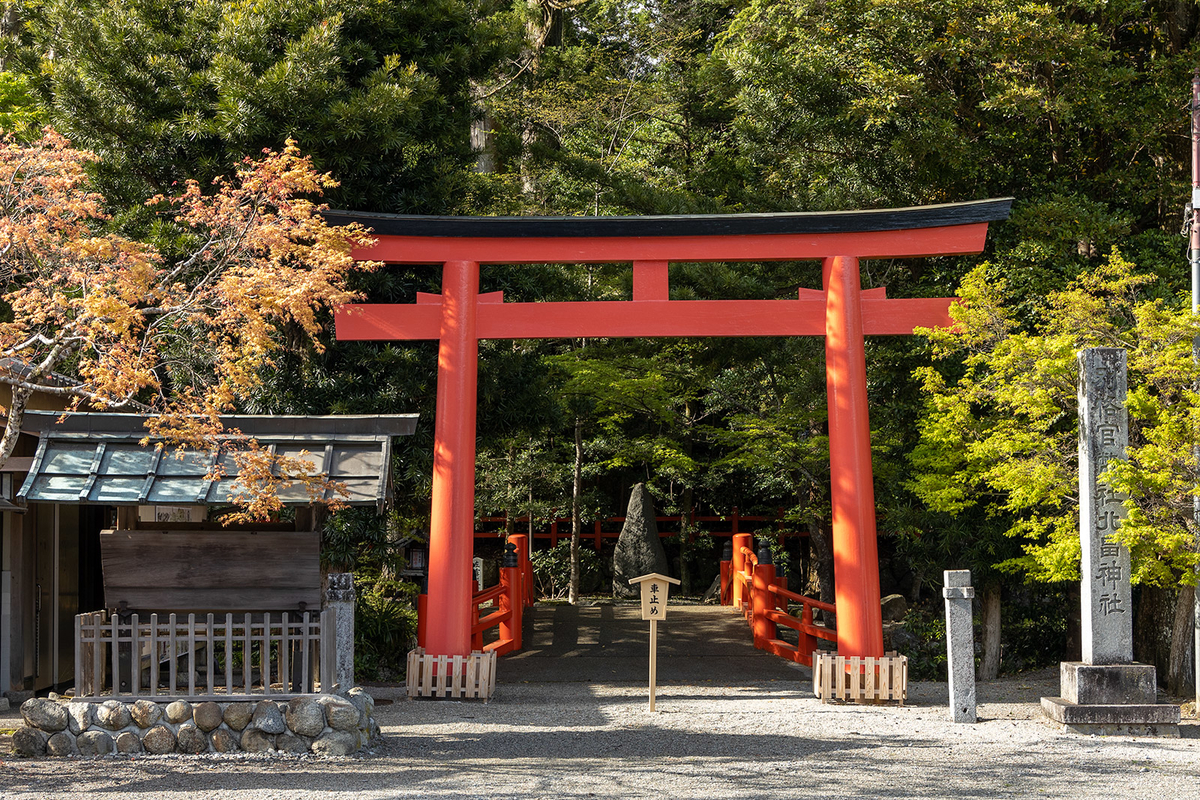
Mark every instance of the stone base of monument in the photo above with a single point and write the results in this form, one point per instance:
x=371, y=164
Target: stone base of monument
x=1113, y=699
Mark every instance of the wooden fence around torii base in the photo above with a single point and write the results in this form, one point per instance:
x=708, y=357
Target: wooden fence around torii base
x=841, y=311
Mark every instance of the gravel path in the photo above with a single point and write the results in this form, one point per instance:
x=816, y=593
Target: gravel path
x=750, y=729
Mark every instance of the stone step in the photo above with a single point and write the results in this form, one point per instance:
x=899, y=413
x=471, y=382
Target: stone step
x=1157, y=719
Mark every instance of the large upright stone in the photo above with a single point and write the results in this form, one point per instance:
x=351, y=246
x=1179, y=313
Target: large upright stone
x=639, y=550
x=1103, y=437
x=339, y=596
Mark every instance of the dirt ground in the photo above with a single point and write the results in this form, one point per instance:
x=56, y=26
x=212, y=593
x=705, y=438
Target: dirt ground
x=570, y=720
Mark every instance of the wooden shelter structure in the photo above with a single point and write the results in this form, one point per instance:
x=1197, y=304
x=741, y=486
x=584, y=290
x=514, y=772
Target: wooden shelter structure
x=841, y=311
x=117, y=551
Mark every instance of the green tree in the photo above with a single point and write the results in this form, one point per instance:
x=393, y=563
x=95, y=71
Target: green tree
x=375, y=90
x=1000, y=433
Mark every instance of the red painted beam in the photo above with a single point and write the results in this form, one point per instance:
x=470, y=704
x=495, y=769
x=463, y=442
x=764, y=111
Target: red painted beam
x=650, y=280
x=679, y=318
x=947, y=240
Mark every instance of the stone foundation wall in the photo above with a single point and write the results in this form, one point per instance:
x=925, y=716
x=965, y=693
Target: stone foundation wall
x=329, y=725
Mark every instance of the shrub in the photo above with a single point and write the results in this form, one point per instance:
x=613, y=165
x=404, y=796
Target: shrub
x=552, y=570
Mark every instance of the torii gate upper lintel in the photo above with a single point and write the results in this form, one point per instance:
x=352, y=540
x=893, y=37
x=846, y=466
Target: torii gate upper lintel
x=841, y=312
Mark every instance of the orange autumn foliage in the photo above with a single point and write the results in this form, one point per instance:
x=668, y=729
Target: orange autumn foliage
x=113, y=324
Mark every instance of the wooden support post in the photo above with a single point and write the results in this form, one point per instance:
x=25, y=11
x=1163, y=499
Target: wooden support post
x=522, y=542
x=422, y=619
x=740, y=540
x=653, y=659
x=763, y=600
x=806, y=642
x=511, y=597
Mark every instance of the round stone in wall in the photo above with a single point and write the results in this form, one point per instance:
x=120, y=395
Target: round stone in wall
x=237, y=715
x=341, y=714
x=255, y=740
x=146, y=713
x=158, y=740
x=113, y=715
x=207, y=715
x=179, y=711
x=291, y=743
x=29, y=742
x=45, y=715
x=363, y=701
x=191, y=739
x=81, y=716
x=61, y=744
x=94, y=743
x=224, y=741
x=128, y=743
x=267, y=717
x=305, y=716
x=335, y=743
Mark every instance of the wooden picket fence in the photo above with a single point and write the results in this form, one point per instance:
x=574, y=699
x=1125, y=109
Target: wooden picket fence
x=860, y=679
x=472, y=676
x=204, y=657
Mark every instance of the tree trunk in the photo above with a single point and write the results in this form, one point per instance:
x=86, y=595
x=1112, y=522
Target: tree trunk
x=918, y=578
x=685, y=542
x=989, y=666
x=576, y=490
x=1180, y=676
x=819, y=535
x=12, y=427
x=1153, y=627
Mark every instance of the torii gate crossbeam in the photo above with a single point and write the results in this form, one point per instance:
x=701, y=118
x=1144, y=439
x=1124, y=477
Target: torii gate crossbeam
x=841, y=312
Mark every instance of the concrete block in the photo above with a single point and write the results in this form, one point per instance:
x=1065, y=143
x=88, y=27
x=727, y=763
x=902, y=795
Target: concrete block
x=1113, y=684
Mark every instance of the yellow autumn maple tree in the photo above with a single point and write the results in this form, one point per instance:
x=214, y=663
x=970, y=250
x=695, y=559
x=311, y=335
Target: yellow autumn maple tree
x=109, y=323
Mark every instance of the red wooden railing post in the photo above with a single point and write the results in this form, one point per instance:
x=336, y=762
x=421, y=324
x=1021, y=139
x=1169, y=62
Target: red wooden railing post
x=476, y=636
x=782, y=582
x=763, y=599
x=726, y=569
x=807, y=642
x=740, y=540
x=512, y=598
x=422, y=618
x=521, y=540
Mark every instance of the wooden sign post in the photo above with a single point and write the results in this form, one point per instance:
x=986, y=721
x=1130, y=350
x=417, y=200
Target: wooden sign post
x=654, y=607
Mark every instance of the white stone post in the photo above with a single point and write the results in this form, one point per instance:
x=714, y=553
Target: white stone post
x=339, y=595
x=960, y=644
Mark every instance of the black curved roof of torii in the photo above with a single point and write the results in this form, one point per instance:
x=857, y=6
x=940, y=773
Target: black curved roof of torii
x=884, y=219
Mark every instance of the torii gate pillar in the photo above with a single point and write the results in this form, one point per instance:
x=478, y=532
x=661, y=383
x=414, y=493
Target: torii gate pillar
x=453, y=508
x=852, y=490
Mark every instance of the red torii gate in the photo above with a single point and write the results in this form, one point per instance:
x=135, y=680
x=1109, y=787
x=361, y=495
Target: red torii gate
x=841, y=312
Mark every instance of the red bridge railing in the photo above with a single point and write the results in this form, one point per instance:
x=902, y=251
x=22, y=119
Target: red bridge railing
x=501, y=606
x=609, y=528
x=750, y=585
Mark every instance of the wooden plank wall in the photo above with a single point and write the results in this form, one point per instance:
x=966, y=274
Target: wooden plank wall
x=220, y=571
